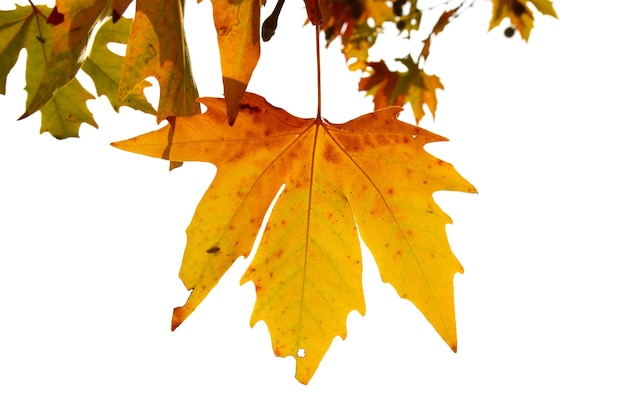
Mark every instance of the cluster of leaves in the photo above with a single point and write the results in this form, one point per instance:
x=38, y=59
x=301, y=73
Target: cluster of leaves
x=57, y=42
x=74, y=35
x=370, y=174
x=358, y=23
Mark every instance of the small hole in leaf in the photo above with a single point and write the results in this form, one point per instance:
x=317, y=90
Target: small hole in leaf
x=301, y=353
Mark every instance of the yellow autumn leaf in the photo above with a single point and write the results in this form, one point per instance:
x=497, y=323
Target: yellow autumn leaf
x=371, y=172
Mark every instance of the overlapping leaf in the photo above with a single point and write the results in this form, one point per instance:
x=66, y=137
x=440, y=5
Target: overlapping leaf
x=157, y=47
x=73, y=23
x=63, y=102
x=238, y=35
x=26, y=27
x=105, y=68
x=57, y=47
x=372, y=172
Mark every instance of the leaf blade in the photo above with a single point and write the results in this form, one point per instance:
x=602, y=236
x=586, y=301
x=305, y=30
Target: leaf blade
x=372, y=172
x=238, y=36
x=70, y=36
x=105, y=68
x=157, y=47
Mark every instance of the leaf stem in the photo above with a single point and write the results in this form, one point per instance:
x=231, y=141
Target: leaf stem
x=317, y=51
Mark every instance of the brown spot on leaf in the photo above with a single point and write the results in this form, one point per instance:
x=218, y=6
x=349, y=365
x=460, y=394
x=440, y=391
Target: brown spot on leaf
x=213, y=249
x=331, y=155
x=249, y=107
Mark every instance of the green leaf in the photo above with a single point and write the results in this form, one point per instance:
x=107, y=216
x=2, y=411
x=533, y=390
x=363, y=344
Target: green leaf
x=24, y=27
x=63, y=115
x=73, y=22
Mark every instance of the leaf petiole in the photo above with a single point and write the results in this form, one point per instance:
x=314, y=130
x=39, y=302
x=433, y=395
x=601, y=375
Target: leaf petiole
x=317, y=23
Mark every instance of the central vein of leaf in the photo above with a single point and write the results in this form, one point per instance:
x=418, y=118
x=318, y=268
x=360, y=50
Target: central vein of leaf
x=308, y=227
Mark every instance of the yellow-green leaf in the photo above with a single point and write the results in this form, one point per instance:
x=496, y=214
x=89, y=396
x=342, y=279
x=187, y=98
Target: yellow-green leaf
x=105, y=68
x=238, y=36
x=63, y=115
x=157, y=47
x=371, y=172
x=25, y=27
x=74, y=22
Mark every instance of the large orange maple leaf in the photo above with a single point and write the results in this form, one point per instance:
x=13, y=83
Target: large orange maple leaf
x=372, y=173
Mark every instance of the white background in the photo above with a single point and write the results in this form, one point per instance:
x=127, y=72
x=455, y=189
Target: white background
x=91, y=240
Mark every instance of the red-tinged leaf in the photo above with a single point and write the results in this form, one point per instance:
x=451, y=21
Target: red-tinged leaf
x=392, y=88
x=381, y=84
